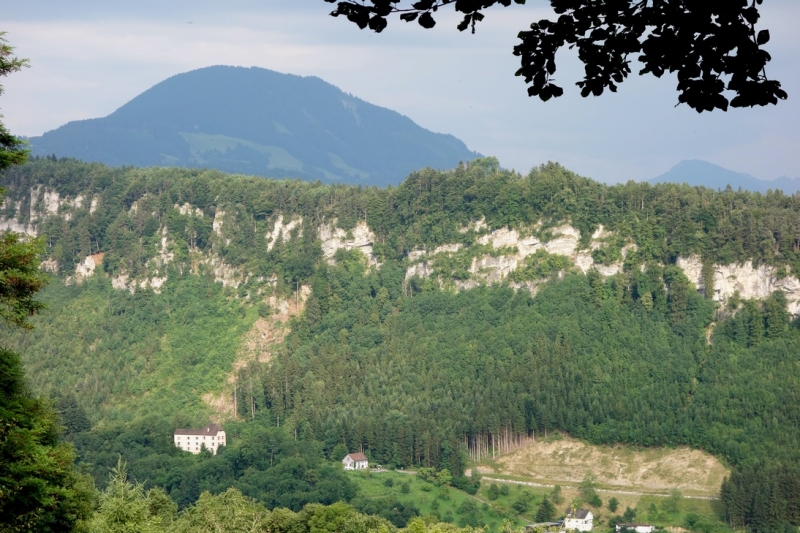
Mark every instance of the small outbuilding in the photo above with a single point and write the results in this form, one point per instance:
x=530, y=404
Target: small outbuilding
x=355, y=461
x=578, y=519
x=546, y=527
x=638, y=528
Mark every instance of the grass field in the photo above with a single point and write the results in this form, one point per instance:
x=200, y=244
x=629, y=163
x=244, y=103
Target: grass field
x=447, y=504
x=656, y=510
x=444, y=503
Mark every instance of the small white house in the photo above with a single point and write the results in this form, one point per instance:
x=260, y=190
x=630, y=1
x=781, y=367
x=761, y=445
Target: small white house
x=192, y=440
x=355, y=461
x=638, y=528
x=578, y=519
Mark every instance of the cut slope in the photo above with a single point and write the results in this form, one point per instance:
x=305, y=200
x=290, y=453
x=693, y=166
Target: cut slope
x=260, y=122
x=567, y=460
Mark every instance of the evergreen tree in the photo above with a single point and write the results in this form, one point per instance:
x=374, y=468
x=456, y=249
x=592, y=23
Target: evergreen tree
x=546, y=511
x=40, y=490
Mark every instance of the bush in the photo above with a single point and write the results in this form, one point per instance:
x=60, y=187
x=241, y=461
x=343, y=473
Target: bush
x=613, y=504
x=520, y=505
x=493, y=492
x=264, y=309
x=504, y=490
x=672, y=504
x=388, y=482
x=594, y=500
x=467, y=506
x=466, y=484
x=405, y=488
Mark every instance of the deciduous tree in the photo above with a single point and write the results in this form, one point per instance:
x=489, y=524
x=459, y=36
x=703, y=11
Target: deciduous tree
x=712, y=47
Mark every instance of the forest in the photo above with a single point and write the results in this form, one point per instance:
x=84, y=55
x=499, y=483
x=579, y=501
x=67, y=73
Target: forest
x=411, y=371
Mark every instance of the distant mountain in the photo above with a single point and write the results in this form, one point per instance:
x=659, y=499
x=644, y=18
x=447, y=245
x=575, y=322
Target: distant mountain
x=703, y=173
x=261, y=122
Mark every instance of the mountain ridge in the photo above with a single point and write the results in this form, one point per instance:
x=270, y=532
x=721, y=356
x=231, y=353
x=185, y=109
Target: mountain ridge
x=259, y=122
x=697, y=172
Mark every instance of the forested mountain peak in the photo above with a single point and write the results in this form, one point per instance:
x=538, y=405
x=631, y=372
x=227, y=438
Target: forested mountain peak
x=260, y=122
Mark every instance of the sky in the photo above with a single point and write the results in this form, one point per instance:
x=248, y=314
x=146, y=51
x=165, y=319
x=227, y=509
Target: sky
x=89, y=57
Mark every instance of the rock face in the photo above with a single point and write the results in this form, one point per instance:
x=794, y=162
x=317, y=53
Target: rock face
x=282, y=231
x=751, y=282
x=493, y=268
x=46, y=203
x=510, y=247
x=360, y=238
x=83, y=270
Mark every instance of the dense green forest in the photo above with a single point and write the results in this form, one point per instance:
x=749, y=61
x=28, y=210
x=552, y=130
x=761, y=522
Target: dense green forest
x=414, y=374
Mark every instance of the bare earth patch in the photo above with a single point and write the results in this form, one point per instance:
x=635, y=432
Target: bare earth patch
x=258, y=345
x=567, y=460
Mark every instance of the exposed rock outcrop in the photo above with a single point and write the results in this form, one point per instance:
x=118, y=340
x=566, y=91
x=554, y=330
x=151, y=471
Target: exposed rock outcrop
x=491, y=268
x=360, y=238
x=511, y=247
x=282, y=231
x=751, y=282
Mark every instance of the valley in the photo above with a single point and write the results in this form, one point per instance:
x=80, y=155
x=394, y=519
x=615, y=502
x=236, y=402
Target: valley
x=447, y=324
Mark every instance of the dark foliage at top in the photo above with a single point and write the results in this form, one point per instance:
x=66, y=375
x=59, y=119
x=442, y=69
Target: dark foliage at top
x=713, y=47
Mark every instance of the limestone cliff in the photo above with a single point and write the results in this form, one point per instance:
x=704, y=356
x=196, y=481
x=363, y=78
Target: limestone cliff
x=486, y=256
x=748, y=280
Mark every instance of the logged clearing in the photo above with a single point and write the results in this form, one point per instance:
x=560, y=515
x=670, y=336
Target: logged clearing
x=649, y=470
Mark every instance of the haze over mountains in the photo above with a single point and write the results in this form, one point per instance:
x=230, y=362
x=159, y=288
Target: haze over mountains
x=702, y=173
x=260, y=122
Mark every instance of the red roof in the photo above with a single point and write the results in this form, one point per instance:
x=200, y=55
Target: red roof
x=356, y=456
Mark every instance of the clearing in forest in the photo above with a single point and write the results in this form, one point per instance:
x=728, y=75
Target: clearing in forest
x=563, y=460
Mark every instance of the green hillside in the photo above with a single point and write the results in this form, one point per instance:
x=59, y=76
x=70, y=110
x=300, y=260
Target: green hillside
x=415, y=368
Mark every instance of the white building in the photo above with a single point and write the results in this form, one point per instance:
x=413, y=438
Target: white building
x=638, y=528
x=355, y=461
x=192, y=440
x=579, y=519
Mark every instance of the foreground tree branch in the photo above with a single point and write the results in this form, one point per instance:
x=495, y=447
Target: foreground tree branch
x=711, y=45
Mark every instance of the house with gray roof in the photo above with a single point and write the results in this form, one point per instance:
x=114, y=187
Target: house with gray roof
x=192, y=440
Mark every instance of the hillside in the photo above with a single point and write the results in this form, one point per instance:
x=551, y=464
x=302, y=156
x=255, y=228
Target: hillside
x=704, y=174
x=259, y=122
x=459, y=312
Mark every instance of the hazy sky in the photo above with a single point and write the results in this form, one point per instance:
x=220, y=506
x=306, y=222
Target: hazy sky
x=90, y=57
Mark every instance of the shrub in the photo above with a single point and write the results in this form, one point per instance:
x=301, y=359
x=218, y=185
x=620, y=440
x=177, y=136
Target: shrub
x=613, y=504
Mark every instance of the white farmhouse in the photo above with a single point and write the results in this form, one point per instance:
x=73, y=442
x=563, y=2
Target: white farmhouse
x=355, y=461
x=191, y=440
x=578, y=519
x=638, y=528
